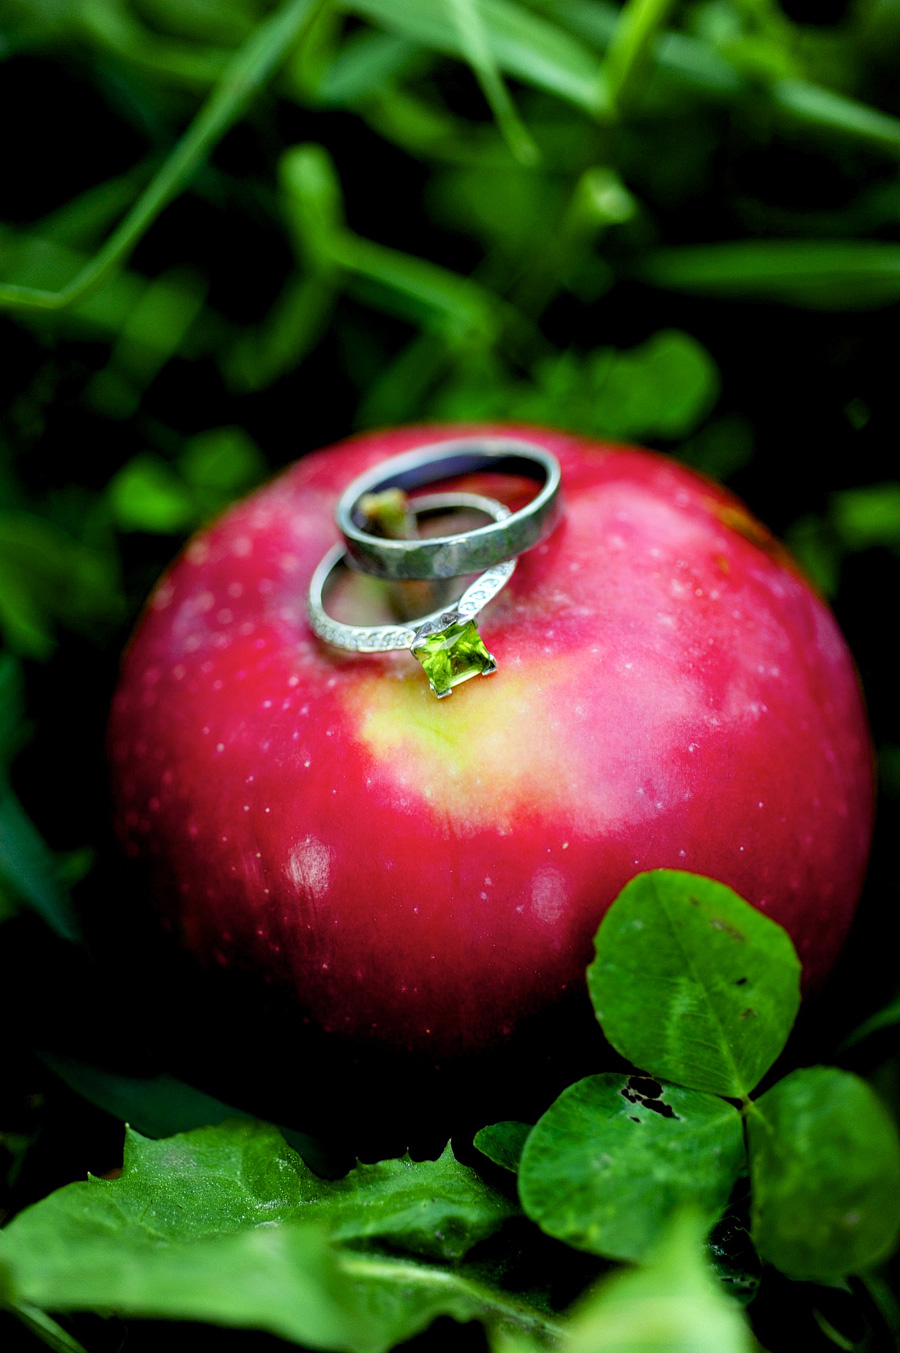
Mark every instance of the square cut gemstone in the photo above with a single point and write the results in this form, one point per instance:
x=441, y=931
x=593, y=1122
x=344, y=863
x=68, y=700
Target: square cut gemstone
x=453, y=655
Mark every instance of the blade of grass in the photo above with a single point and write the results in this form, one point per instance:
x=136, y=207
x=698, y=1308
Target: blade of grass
x=630, y=47
x=45, y=1328
x=701, y=67
x=477, y=47
x=830, y=275
x=249, y=70
x=523, y=44
x=814, y=106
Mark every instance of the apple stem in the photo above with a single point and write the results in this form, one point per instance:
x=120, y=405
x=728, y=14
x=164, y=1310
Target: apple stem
x=388, y=514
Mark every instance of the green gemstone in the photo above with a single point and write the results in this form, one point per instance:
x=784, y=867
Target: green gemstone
x=453, y=655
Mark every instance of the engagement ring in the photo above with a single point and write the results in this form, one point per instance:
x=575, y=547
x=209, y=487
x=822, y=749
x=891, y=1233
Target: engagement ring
x=446, y=642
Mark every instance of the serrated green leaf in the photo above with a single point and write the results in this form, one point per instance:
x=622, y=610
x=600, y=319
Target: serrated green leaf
x=438, y=1208
x=503, y=1143
x=825, y=1169
x=693, y=984
x=216, y=1180
x=673, y=1305
x=227, y=1225
x=615, y=1157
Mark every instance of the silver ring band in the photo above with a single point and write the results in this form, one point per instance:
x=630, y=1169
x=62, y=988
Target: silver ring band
x=471, y=551
x=443, y=630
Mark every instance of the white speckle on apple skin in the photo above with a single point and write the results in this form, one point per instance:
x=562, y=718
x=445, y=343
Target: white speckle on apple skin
x=309, y=868
x=549, y=894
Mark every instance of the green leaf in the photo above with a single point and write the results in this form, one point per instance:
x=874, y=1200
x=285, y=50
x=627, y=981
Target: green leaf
x=400, y=1297
x=616, y=1156
x=673, y=1305
x=733, y=1257
x=45, y=1328
x=156, y=1106
x=224, y=461
x=283, y=1279
x=47, y=578
x=477, y=48
x=437, y=1208
x=885, y=1018
x=631, y=46
x=365, y=66
x=662, y=388
x=693, y=984
x=220, y=1179
x=522, y=44
x=161, y=1106
x=503, y=1143
x=834, y=112
x=227, y=1225
x=312, y=201
x=825, y=1169
x=147, y=495
x=391, y=280
x=827, y=275
x=28, y=869
x=868, y=516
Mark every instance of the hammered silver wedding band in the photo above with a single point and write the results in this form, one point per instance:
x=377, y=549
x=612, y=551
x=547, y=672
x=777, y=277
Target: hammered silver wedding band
x=472, y=551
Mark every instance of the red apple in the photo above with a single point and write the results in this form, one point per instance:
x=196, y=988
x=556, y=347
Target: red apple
x=424, y=875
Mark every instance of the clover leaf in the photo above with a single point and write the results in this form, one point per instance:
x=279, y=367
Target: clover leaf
x=693, y=984
x=616, y=1156
x=825, y=1169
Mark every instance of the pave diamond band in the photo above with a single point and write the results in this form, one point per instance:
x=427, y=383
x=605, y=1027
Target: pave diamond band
x=446, y=641
x=470, y=551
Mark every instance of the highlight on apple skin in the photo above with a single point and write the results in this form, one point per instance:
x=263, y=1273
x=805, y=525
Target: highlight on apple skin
x=425, y=877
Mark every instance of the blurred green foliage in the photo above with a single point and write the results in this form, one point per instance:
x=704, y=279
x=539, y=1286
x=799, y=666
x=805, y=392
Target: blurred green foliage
x=234, y=230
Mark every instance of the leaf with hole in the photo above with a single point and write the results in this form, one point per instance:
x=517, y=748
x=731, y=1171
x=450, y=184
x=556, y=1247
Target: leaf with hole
x=692, y=983
x=616, y=1156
